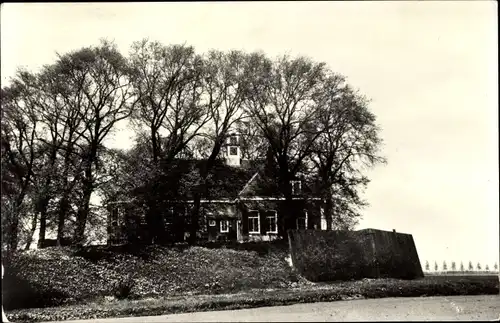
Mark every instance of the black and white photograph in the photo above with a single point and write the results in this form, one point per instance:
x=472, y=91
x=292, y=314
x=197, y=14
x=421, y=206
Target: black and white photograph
x=249, y=161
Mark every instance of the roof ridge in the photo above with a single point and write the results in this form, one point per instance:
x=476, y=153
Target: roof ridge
x=248, y=183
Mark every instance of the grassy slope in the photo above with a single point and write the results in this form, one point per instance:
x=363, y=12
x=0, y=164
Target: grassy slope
x=169, y=280
x=55, y=276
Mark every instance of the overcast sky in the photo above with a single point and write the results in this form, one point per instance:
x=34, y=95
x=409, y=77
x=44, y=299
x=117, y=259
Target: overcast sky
x=430, y=69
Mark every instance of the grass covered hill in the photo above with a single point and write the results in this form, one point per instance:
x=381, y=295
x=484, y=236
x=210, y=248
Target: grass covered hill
x=97, y=282
x=55, y=276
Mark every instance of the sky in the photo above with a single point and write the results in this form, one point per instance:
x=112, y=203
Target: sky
x=429, y=68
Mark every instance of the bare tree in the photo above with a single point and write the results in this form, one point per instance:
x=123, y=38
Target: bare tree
x=252, y=144
x=168, y=85
x=167, y=81
x=20, y=126
x=48, y=107
x=224, y=91
x=347, y=145
x=51, y=107
x=282, y=104
x=98, y=76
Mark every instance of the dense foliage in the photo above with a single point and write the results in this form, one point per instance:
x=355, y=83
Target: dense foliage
x=299, y=116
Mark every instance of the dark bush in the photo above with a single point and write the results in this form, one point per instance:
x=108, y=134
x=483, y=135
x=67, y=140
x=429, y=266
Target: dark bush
x=123, y=288
x=19, y=292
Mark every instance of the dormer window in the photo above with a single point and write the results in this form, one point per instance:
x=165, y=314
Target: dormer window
x=296, y=187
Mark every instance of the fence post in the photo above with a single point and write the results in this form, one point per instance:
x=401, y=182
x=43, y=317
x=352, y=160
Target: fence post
x=290, y=247
x=4, y=317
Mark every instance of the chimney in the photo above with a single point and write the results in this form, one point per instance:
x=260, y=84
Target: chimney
x=233, y=151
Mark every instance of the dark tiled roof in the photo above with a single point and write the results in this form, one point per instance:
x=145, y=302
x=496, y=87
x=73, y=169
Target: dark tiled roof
x=224, y=182
x=262, y=185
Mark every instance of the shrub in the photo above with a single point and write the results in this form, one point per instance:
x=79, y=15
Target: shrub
x=123, y=288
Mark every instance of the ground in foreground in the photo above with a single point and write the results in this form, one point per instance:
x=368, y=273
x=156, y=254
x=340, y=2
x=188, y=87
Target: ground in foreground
x=326, y=292
x=422, y=308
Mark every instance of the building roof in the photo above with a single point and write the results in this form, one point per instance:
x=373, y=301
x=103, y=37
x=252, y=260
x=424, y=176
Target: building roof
x=224, y=182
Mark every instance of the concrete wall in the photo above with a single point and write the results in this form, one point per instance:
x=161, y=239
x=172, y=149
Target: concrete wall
x=340, y=255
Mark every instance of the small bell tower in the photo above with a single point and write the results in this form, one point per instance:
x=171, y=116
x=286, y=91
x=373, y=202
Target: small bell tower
x=233, y=151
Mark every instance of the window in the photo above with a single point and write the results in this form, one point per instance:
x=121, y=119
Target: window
x=296, y=187
x=224, y=226
x=233, y=151
x=169, y=216
x=253, y=222
x=271, y=222
x=302, y=221
x=233, y=140
x=211, y=223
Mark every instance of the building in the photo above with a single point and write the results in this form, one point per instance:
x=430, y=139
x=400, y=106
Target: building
x=242, y=203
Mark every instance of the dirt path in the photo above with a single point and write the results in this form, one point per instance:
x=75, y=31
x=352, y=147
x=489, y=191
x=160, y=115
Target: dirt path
x=421, y=308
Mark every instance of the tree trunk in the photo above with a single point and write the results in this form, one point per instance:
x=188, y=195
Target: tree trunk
x=32, y=231
x=195, y=215
x=155, y=144
x=286, y=218
x=64, y=202
x=13, y=239
x=328, y=212
x=43, y=224
x=201, y=190
x=81, y=218
x=46, y=199
x=13, y=228
x=154, y=221
x=61, y=217
x=83, y=210
x=64, y=205
x=88, y=187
